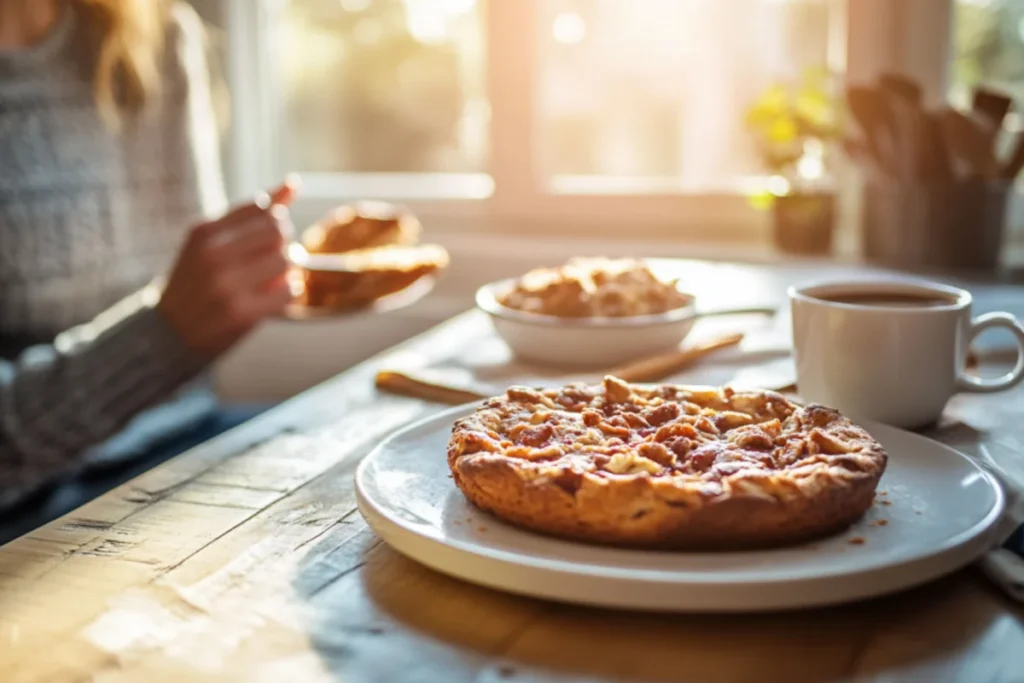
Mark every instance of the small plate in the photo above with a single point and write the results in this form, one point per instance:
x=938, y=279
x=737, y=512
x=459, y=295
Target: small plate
x=391, y=302
x=937, y=514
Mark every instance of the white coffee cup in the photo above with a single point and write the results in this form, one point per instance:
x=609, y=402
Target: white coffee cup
x=892, y=351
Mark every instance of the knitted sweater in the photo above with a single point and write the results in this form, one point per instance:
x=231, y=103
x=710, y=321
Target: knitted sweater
x=88, y=217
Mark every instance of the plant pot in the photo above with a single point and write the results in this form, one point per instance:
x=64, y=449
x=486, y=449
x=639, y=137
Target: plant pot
x=804, y=223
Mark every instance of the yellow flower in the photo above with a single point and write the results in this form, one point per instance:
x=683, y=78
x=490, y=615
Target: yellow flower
x=782, y=130
x=771, y=105
x=814, y=106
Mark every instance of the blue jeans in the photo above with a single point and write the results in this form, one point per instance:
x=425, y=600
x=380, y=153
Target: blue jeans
x=66, y=495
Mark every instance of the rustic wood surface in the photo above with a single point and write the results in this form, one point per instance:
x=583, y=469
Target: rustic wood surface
x=246, y=560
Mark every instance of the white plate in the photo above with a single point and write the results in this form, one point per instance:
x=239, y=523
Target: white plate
x=941, y=514
x=391, y=302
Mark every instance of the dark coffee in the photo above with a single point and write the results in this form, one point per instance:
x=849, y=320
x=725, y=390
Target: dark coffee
x=889, y=299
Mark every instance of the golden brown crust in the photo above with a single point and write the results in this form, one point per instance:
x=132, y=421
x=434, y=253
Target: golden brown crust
x=666, y=466
x=361, y=226
x=376, y=273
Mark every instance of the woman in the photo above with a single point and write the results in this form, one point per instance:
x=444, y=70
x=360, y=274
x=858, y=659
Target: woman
x=108, y=153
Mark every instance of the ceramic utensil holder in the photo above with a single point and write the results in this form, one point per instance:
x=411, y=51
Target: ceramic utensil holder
x=953, y=225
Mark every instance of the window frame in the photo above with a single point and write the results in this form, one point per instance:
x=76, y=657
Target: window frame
x=869, y=39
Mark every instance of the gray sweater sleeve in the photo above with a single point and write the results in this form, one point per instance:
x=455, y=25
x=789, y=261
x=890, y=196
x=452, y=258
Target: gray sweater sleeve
x=58, y=400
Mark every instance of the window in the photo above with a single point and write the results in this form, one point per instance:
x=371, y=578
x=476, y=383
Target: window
x=988, y=48
x=652, y=94
x=382, y=86
x=562, y=113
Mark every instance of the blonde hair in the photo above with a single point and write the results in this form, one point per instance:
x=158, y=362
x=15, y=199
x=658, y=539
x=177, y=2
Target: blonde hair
x=127, y=71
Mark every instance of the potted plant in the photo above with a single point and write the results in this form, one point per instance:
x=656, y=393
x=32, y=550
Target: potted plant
x=795, y=127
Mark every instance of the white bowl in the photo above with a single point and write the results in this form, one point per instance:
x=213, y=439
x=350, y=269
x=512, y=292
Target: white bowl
x=584, y=342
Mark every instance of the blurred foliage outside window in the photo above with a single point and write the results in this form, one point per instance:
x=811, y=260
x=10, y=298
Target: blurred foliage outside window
x=988, y=48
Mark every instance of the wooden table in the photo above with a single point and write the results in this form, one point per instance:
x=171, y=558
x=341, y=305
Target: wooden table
x=246, y=560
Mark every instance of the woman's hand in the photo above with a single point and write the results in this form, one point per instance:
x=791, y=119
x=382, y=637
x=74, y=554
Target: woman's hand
x=231, y=273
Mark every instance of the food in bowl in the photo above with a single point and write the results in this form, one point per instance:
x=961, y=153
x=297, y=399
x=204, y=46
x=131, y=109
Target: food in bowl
x=592, y=288
x=665, y=466
x=567, y=318
x=361, y=226
x=372, y=274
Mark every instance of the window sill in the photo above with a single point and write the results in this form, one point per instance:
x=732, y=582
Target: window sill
x=402, y=187
x=722, y=218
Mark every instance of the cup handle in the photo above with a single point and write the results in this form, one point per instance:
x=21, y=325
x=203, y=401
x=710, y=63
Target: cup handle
x=988, y=321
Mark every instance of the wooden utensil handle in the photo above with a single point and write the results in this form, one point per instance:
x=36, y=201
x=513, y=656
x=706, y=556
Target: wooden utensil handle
x=971, y=143
x=405, y=385
x=901, y=86
x=660, y=367
x=720, y=312
x=991, y=105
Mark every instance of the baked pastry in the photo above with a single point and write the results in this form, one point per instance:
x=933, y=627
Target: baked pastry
x=665, y=466
x=361, y=226
x=372, y=274
x=594, y=287
x=377, y=244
